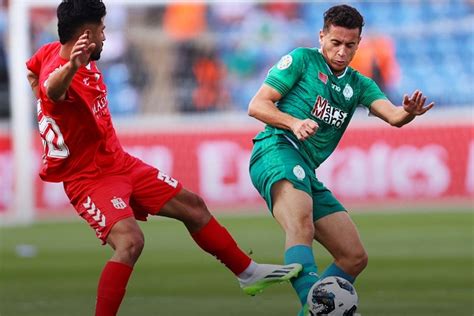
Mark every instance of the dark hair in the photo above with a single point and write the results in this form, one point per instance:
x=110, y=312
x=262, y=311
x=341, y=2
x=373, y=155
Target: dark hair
x=73, y=14
x=345, y=16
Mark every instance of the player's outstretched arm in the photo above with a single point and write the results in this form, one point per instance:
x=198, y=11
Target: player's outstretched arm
x=60, y=80
x=263, y=108
x=400, y=115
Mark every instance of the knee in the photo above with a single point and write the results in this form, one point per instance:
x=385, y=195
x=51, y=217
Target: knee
x=356, y=261
x=360, y=260
x=197, y=212
x=131, y=247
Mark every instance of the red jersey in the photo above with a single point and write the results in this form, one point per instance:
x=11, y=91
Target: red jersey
x=78, y=136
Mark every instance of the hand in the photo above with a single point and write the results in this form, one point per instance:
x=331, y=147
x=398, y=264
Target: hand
x=415, y=104
x=81, y=51
x=303, y=129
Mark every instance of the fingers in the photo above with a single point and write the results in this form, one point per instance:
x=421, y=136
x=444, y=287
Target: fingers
x=416, y=103
x=418, y=97
x=82, y=50
x=306, y=129
x=406, y=100
x=427, y=108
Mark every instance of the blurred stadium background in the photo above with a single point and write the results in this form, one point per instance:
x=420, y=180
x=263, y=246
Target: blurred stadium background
x=180, y=76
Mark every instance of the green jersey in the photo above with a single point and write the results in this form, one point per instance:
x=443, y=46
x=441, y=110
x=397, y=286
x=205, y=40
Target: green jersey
x=310, y=90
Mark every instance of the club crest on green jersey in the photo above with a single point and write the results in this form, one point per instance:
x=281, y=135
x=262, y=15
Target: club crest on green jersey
x=285, y=62
x=299, y=173
x=347, y=92
x=327, y=113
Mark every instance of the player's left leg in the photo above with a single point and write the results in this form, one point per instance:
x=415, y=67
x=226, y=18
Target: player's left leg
x=213, y=238
x=338, y=234
x=162, y=195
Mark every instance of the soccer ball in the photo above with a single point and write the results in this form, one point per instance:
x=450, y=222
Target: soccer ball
x=332, y=296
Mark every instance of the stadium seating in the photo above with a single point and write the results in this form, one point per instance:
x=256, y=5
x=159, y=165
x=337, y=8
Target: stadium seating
x=433, y=44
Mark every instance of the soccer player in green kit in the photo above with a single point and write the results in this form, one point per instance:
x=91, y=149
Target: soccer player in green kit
x=306, y=102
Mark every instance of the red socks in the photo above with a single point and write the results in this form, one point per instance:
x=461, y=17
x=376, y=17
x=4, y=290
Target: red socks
x=212, y=238
x=216, y=240
x=112, y=284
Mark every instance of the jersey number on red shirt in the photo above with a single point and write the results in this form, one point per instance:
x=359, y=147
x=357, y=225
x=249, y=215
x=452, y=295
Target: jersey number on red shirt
x=53, y=140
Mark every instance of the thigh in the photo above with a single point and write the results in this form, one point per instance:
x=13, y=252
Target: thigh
x=101, y=202
x=292, y=208
x=290, y=205
x=338, y=234
x=188, y=208
x=275, y=159
x=152, y=189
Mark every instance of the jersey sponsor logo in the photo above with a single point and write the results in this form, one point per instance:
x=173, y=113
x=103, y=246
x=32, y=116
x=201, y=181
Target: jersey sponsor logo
x=100, y=106
x=167, y=179
x=348, y=92
x=285, y=62
x=299, y=173
x=118, y=203
x=327, y=113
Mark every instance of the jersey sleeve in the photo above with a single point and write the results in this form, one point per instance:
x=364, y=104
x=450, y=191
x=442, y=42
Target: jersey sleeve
x=370, y=92
x=34, y=63
x=286, y=72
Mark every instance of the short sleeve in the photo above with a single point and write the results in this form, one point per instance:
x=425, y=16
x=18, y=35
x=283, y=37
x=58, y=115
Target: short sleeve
x=287, y=71
x=370, y=92
x=34, y=63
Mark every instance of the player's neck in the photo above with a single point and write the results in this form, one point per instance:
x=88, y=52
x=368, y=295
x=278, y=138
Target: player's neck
x=65, y=51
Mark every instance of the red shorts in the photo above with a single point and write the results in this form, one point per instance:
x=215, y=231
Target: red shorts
x=105, y=200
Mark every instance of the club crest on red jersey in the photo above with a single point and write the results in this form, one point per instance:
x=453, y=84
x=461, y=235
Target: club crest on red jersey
x=118, y=203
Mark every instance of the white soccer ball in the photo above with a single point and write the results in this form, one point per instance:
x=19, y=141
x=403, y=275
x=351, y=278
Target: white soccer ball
x=332, y=296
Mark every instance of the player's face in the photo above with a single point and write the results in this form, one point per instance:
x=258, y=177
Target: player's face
x=339, y=45
x=97, y=36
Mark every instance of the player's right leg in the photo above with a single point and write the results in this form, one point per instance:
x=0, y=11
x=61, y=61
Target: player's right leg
x=282, y=177
x=126, y=238
x=103, y=203
x=292, y=208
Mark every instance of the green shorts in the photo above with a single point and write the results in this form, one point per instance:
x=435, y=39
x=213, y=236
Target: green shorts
x=275, y=158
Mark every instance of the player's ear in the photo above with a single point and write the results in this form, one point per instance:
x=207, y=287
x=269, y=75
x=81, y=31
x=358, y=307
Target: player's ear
x=88, y=32
x=321, y=35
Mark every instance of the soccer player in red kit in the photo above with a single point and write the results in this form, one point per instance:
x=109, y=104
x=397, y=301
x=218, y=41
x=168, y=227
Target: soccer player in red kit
x=109, y=188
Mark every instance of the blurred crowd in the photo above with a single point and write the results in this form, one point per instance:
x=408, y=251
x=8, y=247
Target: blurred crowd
x=195, y=57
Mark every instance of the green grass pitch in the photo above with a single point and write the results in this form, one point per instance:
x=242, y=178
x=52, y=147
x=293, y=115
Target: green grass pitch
x=419, y=264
